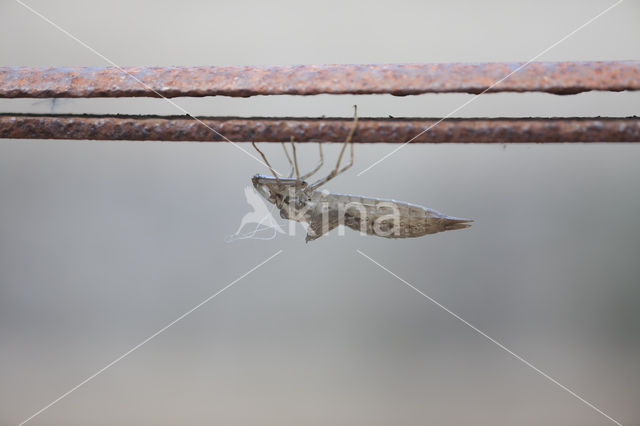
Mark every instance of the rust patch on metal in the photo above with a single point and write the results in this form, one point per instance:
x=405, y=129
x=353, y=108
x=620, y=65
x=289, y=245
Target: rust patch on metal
x=395, y=79
x=370, y=130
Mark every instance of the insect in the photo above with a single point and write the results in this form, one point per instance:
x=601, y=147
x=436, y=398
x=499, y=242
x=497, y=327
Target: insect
x=323, y=211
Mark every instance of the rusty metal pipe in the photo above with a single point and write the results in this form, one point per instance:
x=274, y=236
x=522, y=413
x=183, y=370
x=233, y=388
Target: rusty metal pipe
x=398, y=79
x=385, y=130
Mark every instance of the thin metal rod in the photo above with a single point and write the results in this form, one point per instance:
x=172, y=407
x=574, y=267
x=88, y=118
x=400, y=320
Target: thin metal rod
x=396, y=79
x=385, y=130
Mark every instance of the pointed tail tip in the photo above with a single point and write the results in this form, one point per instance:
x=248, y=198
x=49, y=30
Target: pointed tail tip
x=452, y=223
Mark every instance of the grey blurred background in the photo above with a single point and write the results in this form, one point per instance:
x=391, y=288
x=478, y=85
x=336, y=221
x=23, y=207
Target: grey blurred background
x=104, y=243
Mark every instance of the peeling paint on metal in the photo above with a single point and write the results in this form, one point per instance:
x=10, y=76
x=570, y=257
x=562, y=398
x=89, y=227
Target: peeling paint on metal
x=395, y=79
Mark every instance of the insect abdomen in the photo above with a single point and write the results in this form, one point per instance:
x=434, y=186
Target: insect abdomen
x=390, y=218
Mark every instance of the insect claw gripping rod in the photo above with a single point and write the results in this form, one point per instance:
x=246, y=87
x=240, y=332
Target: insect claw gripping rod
x=388, y=130
x=395, y=79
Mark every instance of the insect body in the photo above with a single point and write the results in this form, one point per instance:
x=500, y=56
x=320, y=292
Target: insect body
x=322, y=211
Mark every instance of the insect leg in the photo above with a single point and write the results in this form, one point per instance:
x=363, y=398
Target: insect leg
x=288, y=159
x=308, y=175
x=337, y=170
x=265, y=160
x=295, y=158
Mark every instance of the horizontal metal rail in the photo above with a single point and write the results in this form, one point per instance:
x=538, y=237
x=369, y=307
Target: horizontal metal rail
x=403, y=79
x=387, y=130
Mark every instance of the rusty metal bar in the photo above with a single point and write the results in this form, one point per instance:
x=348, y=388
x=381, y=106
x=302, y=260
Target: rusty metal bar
x=387, y=130
x=403, y=79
